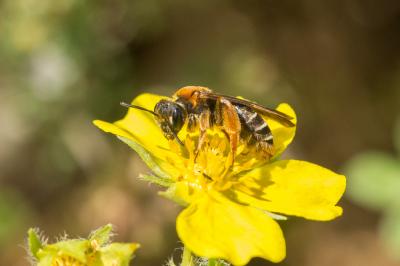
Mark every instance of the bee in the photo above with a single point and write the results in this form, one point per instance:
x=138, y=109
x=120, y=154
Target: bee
x=203, y=109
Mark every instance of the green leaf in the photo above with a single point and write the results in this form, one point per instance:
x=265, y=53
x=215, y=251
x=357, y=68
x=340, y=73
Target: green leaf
x=46, y=260
x=374, y=180
x=161, y=181
x=75, y=248
x=102, y=235
x=34, y=242
x=212, y=262
x=118, y=254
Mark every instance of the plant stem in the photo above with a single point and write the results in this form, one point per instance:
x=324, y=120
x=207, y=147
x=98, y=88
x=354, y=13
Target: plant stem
x=187, y=258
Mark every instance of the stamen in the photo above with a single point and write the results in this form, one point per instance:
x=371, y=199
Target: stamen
x=212, y=163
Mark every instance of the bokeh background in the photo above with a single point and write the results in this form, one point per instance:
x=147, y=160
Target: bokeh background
x=64, y=63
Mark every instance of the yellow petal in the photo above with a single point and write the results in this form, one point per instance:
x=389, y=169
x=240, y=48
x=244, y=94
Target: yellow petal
x=182, y=193
x=294, y=188
x=158, y=165
x=215, y=227
x=139, y=130
x=283, y=135
x=113, y=129
x=140, y=126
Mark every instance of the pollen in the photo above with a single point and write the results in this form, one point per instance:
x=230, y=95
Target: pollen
x=212, y=166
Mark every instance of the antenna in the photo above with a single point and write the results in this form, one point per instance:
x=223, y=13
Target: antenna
x=127, y=105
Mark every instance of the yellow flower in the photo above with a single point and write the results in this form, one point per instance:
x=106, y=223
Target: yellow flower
x=230, y=211
x=94, y=251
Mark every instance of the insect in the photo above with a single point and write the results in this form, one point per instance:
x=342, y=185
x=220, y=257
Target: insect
x=202, y=109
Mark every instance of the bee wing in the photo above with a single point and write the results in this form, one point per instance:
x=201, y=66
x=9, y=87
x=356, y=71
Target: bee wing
x=280, y=117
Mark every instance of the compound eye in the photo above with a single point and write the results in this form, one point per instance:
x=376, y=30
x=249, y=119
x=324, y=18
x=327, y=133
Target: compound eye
x=177, y=119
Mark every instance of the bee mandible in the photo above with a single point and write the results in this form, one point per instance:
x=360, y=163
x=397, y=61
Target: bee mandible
x=202, y=109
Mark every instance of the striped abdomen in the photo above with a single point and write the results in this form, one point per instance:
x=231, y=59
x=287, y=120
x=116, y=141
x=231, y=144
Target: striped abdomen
x=255, y=129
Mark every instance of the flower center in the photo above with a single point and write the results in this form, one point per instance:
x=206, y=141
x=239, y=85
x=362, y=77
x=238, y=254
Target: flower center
x=66, y=261
x=213, y=164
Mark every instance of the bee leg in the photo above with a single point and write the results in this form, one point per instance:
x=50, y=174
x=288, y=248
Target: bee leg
x=204, y=124
x=230, y=124
x=202, y=137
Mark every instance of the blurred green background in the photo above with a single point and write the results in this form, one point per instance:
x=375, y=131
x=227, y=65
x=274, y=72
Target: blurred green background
x=64, y=63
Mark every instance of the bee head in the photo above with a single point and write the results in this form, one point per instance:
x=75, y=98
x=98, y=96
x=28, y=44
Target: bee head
x=170, y=117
